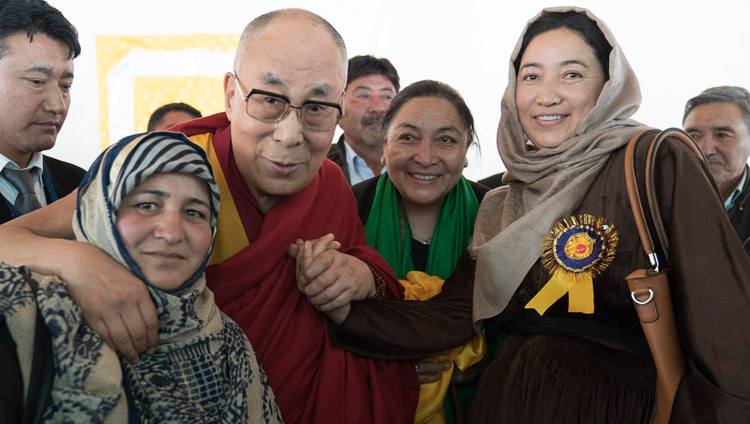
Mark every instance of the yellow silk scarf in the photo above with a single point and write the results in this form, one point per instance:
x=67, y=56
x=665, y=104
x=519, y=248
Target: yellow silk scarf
x=421, y=286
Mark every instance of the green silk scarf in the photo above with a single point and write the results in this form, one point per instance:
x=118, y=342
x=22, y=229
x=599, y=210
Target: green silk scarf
x=451, y=236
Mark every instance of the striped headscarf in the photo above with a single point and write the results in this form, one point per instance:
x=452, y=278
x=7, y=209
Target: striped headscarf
x=119, y=170
x=204, y=369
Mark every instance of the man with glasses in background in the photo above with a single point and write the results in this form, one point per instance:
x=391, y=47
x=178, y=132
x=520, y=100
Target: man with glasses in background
x=268, y=151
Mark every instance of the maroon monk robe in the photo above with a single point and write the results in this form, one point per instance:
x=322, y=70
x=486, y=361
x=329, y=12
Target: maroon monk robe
x=312, y=381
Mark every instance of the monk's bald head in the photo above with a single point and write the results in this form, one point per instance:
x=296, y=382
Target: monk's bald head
x=277, y=20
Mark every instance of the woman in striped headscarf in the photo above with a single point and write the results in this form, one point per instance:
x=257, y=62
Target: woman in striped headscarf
x=151, y=202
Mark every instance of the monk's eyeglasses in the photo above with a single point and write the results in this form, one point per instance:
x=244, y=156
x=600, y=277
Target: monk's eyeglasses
x=269, y=107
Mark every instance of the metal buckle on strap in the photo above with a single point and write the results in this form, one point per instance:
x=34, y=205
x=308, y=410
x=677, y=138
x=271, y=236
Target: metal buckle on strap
x=654, y=260
x=647, y=301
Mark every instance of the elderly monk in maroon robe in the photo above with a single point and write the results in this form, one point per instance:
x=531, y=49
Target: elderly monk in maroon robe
x=282, y=100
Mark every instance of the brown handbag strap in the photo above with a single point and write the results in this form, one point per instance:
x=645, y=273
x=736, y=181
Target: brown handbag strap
x=650, y=288
x=634, y=196
x=689, y=142
x=632, y=186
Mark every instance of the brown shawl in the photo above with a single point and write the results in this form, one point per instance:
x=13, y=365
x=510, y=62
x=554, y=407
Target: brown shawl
x=545, y=185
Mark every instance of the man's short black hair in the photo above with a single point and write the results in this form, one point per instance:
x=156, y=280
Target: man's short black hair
x=36, y=17
x=159, y=113
x=362, y=66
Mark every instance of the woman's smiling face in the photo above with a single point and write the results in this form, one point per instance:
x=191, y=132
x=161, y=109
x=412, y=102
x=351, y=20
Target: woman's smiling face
x=425, y=150
x=559, y=81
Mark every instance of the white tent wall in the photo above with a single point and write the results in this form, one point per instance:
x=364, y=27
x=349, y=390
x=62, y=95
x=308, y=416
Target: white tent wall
x=676, y=48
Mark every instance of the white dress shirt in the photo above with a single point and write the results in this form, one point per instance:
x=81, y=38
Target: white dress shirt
x=358, y=169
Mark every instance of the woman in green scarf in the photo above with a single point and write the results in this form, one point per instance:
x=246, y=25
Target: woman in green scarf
x=420, y=214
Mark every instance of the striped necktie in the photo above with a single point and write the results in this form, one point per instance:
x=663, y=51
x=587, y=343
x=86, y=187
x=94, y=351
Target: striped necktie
x=23, y=182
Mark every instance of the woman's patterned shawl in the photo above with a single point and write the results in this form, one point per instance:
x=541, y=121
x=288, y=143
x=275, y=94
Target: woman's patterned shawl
x=204, y=369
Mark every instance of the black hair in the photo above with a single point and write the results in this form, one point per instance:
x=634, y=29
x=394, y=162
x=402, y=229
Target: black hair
x=362, y=66
x=159, y=113
x=574, y=21
x=430, y=88
x=36, y=17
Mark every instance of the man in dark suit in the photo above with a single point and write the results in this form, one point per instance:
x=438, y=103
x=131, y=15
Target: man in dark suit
x=37, y=48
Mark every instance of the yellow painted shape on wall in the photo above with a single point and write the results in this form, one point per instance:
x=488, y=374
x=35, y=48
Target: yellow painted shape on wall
x=201, y=92
x=111, y=49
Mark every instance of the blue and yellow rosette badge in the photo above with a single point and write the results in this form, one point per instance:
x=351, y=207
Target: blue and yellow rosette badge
x=580, y=248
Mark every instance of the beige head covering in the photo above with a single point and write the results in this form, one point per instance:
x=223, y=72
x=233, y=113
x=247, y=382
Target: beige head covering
x=545, y=185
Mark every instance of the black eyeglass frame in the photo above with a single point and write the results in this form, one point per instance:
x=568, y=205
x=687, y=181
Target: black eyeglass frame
x=289, y=105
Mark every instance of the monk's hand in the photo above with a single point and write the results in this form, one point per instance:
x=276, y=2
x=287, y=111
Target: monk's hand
x=114, y=302
x=332, y=279
x=430, y=371
x=305, y=257
x=318, y=245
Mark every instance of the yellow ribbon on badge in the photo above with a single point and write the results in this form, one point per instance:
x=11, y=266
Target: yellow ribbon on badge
x=580, y=293
x=580, y=248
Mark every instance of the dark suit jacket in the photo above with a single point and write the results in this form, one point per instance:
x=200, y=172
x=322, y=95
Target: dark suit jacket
x=493, y=181
x=65, y=178
x=739, y=215
x=337, y=154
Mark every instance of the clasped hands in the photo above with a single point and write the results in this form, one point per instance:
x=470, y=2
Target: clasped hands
x=331, y=280
x=328, y=278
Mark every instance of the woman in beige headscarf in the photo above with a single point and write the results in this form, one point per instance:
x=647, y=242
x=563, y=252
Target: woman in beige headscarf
x=579, y=355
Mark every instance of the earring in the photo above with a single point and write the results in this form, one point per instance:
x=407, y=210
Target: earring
x=466, y=163
x=382, y=160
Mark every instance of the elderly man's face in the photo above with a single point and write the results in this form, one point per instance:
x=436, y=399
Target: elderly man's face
x=294, y=58
x=35, y=81
x=723, y=135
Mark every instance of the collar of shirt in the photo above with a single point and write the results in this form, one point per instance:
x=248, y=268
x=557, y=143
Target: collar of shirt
x=36, y=161
x=358, y=169
x=729, y=203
